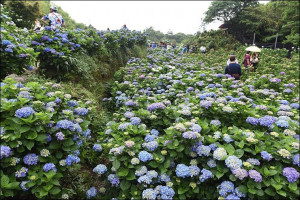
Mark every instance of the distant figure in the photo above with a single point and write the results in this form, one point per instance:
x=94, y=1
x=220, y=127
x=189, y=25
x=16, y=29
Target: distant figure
x=195, y=49
x=173, y=45
x=233, y=69
x=187, y=48
x=107, y=29
x=154, y=45
x=55, y=19
x=228, y=61
x=289, y=54
x=124, y=27
x=169, y=46
x=203, y=49
x=184, y=49
x=37, y=25
x=254, y=61
x=247, y=59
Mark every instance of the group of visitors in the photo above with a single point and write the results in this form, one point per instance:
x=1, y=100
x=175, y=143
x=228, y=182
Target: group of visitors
x=190, y=48
x=163, y=45
x=234, y=69
x=53, y=20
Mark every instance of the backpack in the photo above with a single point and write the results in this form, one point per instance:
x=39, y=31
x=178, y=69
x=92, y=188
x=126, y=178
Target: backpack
x=236, y=76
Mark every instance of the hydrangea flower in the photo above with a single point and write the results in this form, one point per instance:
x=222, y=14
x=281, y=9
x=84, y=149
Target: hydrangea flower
x=100, y=169
x=49, y=166
x=240, y=173
x=21, y=173
x=219, y=153
x=97, y=147
x=266, y=156
x=81, y=111
x=149, y=194
x=203, y=150
x=114, y=180
x=144, y=156
x=255, y=175
x=5, y=151
x=24, y=112
x=135, y=120
x=206, y=174
x=291, y=174
x=92, y=192
x=182, y=171
x=233, y=162
x=150, y=146
x=31, y=159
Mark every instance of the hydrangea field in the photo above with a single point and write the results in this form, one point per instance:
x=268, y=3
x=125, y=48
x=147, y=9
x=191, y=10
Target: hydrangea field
x=179, y=127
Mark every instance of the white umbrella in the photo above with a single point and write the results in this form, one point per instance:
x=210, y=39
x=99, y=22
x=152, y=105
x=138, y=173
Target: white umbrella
x=253, y=49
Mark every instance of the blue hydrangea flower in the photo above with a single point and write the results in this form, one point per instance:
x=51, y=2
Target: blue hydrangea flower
x=72, y=103
x=267, y=120
x=291, y=174
x=114, y=180
x=22, y=172
x=255, y=175
x=100, y=169
x=144, y=179
x=24, y=112
x=92, y=192
x=215, y=122
x=5, y=151
x=156, y=106
x=150, y=138
x=282, y=123
x=225, y=188
x=166, y=193
x=150, y=146
x=72, y=159
x=49, y=166
x=154, y=132
x=196, y=128
x=135, y=120
x=149, y=194
x=31, y=159
x=203, y=150
x=141, y=171
x=252, y=120
x=81, y=111
x=97, y=147
x=144, y=156
x=206, y=174
x=23, y=185
x=266, y=156
x=182, y=171
x=296, y=160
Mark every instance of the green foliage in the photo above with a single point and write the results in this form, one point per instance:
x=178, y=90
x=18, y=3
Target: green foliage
x=36, y=134
x=16, y=55
x=226, y=10
x=157, y=36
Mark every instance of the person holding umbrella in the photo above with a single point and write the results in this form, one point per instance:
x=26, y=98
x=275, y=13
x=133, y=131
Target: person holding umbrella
x=247, y=59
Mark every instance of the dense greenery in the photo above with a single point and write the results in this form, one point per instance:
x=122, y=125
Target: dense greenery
x=266, y=20
x=158, y=36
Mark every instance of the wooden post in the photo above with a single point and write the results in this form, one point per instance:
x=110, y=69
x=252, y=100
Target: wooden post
x=276, y=40
x=253, y=38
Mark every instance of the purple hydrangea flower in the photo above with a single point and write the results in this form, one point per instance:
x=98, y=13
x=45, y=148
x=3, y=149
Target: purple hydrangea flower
x=49, y=166
x=291, y=174
x=255, y=175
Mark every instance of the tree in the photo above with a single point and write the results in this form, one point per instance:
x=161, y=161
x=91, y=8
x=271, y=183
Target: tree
x=226, y=10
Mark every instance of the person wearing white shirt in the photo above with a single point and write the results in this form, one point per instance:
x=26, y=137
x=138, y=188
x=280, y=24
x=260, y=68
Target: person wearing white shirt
x=228, y=61
x=203, y=49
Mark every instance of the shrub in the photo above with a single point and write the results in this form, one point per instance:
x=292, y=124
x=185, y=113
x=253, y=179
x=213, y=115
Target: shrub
x=42, y=129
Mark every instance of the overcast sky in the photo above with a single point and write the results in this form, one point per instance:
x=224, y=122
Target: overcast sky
x=178, y=16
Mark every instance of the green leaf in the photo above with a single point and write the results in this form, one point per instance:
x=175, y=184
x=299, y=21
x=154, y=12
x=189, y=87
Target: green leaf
x=243, y=189
x=125, y=185
x=293, y=186
x=153, y=164
x=68, y=142
x=48, y=186
x=131, y=176
x=50, y=174
x=167, y=163
x=272, y=172
x=270, y=191
x=55, y=190
x=28, y=144
x=252, y=191
x=219, y=174
x=239, y=153
x=8, y=193
x=276, y=186
x=4, y=181
x=230, y=149
x=41, y=138
x=123, y=172
x=232, y=177
x=116, y=164
x=31, y=135
x=266, y=171
x=13, y=185
x=281, y=192
x=24, y=129
x=260, y=192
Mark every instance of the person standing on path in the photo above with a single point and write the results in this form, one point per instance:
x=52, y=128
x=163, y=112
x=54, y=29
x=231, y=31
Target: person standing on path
x=234, y=69
x=228, y=61
x=56, y=20
x=247, y=59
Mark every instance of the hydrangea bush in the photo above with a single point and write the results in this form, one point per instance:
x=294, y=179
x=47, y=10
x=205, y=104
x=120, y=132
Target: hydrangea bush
x=184, y=130
x=42, y=130
x=16, y=54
